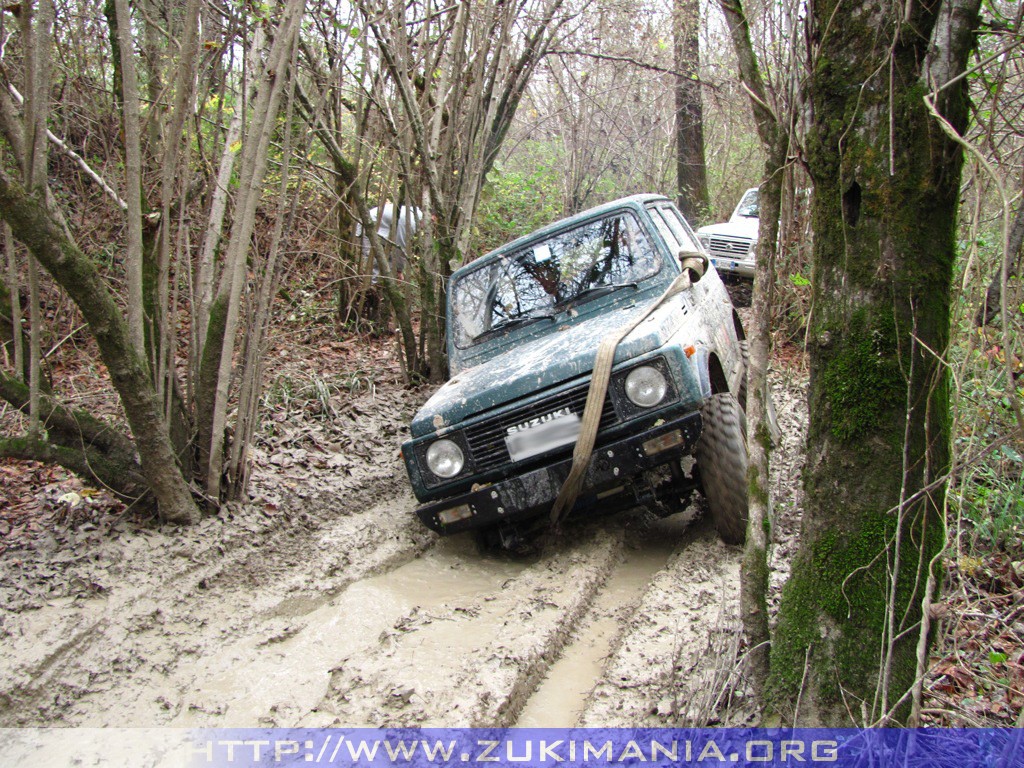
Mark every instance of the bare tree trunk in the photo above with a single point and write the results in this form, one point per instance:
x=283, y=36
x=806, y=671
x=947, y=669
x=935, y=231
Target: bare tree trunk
x=131, y=123
x=203, y=296
x=754, y=577
x=259, y=315
x=691, y=172
x=14, y=306
x=153, y=57
x=159, y=298
x=253, y=167
x=34, y=355
x=36, y=29
x=1010, y=265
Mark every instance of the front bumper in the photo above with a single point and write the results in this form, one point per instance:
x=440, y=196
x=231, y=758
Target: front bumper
x=531, y=494
x=734, y=268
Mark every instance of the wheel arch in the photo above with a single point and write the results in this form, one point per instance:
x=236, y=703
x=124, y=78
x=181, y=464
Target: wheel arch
x=741, y=335
x=711, y=373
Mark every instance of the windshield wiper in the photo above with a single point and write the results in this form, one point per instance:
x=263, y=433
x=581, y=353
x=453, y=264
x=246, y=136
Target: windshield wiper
x=597, y=290
x=515, y=322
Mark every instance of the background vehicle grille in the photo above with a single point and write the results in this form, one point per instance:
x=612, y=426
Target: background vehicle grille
x=729, y=247
x=487, y=438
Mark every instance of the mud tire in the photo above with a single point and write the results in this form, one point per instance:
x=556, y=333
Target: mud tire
x=740, y=290
x=722, y=459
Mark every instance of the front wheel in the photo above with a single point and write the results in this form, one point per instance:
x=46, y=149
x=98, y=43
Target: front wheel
x=722, y=460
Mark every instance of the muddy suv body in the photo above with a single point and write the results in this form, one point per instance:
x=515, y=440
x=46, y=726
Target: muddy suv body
x=492, y=448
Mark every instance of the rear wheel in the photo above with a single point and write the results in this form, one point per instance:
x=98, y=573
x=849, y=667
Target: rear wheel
x=740, y=291
x=722, y=460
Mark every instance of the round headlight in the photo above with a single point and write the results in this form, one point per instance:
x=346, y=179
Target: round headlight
x=445, y=458
x=646, y=386
x=705, y=240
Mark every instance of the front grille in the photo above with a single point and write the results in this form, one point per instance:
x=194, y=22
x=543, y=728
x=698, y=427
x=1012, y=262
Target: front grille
x=729, y=247
x=487, y=437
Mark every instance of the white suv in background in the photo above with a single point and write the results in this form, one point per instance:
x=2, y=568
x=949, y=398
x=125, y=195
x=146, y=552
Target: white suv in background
x=731, y=244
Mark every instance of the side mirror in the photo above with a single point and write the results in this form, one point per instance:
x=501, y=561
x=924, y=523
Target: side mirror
x=694, y=262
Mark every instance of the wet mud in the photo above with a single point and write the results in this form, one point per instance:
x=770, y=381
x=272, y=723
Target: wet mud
x=334, y=607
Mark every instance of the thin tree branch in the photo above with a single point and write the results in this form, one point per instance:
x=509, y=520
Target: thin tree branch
x=640, y=64
x=78, y=159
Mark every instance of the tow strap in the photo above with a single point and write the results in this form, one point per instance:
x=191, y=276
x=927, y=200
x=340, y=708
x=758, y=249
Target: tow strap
x=591, y=419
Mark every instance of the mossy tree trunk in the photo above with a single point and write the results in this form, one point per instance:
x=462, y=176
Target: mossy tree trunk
x=886, y=182
x=775, y=139
x=78, y=441
x=35, y=226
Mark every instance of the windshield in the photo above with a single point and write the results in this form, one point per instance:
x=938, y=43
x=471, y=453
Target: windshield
x=550, y=275
x=748, y=205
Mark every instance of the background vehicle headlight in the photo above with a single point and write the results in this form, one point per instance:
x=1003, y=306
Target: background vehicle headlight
x=445, y=459
x=705, y=240
x=646, y=386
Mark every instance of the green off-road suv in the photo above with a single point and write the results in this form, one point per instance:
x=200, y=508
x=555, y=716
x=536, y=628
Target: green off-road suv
x=491, y=451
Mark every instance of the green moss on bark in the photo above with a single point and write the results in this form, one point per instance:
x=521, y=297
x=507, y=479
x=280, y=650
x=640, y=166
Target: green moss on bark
x=863, y=382
x=756, y=490
x=838, y=608
x=209, y=368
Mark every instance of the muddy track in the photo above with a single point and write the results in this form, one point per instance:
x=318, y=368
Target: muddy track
x=420, y=633
x=176, y=597
x=340, y=609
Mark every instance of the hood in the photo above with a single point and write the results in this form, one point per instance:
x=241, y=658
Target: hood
x=743, y=227
x=567, y=352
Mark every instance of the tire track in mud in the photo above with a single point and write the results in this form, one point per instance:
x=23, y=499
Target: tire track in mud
x=420, y=633
x=676, y=658
x=472, y=657
x=369, y=620
x=561, y=695
x=502, y=644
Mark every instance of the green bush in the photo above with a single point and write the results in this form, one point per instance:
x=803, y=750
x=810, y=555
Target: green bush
x=515, y=201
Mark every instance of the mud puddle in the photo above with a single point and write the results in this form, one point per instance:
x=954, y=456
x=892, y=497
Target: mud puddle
x=278, y=676
x=192, y=642
x=286, y=672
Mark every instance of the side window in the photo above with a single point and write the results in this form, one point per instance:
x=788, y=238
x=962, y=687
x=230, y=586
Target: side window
x=684, y=235
x=664, y=229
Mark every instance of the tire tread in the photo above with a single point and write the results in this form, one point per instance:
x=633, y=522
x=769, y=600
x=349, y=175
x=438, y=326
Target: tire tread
x=722, y=458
